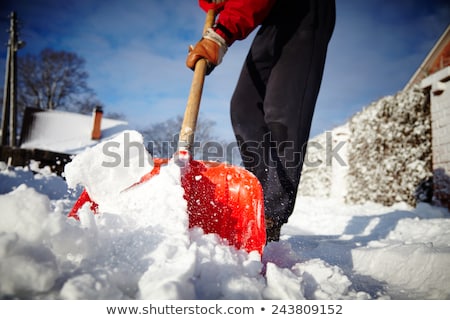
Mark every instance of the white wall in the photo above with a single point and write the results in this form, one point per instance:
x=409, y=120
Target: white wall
x=439, y=86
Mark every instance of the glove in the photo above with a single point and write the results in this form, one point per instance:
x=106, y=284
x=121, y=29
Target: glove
x=211, y=47
x=207, y=5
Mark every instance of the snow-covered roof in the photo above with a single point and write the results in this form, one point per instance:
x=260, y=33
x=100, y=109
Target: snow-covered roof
x=67, y=132
x=437, y=58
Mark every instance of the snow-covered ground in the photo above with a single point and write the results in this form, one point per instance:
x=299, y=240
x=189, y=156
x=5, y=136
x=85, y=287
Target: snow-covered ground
x=139, y=247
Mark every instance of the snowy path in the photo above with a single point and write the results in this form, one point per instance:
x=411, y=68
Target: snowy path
x=395, y=252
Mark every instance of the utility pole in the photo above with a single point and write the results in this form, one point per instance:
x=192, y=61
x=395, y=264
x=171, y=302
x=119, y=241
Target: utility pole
x=9, y=114
x=6, y=104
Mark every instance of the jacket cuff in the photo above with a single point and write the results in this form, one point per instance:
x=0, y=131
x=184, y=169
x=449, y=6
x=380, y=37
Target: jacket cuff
x=224, y=33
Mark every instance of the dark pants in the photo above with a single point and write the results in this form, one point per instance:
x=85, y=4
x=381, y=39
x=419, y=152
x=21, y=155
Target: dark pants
x=274, y=100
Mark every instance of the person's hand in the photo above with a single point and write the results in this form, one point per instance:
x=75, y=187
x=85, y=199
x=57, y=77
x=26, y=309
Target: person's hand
x=211, y=47
x=207, y=5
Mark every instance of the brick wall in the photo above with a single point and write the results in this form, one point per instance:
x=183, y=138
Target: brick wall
x=438, y=85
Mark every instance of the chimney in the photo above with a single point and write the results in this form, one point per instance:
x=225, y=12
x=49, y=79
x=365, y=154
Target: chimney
x=97, y=126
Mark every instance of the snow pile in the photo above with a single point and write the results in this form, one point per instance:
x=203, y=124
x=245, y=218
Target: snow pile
x=390, y=252
x=390, y=149
x=316, y=173
x=139, y=245
x=325, y=168
x=404, y=254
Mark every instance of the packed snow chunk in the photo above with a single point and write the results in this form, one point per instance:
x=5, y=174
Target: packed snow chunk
x=280, y=253
x=23, y=212
x=325, y=282
x=433, y=232
x=414, y=256
x=7, y=242
x=419, y=268
x=86, y=286
x=26, y=269
x=110, y=167
x=71, y=241
x=158, y=202
x=224, y=272
x=169, y=276
x=282, y=284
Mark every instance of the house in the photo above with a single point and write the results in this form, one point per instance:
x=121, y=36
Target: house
x=395, y=149
x=433, y=76
x=53, y=137
x=437, y=59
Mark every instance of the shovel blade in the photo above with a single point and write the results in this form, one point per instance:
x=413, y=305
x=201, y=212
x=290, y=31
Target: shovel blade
x=226, y=200
x=221, y=199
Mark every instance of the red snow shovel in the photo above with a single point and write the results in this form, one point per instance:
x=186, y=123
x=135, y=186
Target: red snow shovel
x=221, y=198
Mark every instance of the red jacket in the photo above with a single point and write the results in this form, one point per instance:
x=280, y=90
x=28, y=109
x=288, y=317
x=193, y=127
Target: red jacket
x=240, y=17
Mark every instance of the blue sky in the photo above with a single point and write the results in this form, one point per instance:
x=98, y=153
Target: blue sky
x=135, y=52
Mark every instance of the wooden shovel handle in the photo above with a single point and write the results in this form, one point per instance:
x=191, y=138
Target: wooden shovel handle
x=186, y=139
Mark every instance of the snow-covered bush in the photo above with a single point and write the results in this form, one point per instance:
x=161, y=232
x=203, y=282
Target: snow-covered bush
x=390, y=149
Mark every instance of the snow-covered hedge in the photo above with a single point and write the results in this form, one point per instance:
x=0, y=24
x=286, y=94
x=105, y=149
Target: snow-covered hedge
x=390, y=149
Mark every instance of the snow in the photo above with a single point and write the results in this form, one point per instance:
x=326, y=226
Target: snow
x=139, y=245
x=67, y=132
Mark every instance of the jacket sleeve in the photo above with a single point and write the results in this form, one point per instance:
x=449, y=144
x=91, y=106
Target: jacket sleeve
x=240, y=17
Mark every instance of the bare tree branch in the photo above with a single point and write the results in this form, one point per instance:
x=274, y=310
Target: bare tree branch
x=54, y=80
